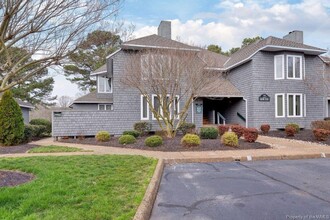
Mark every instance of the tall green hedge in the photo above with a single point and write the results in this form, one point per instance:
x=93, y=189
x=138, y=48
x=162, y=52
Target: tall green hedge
x=11, y=121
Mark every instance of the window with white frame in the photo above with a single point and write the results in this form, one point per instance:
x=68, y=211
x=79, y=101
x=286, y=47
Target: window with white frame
x=144, y=108
x=176, y=109
x=279, y=105
x=294, y=67
x=279, y=66
x=295, y=105
x=104, y=84
x=156, y=106
x=105, y=107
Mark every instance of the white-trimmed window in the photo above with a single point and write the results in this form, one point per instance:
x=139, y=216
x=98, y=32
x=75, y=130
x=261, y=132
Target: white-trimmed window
x=156, y=106
x=105, y=107
x=295, y=105
x=279, y=66
x=144, y=108
x=104, y=84
x=279, y=105
x=176, y=109
x=294, y=67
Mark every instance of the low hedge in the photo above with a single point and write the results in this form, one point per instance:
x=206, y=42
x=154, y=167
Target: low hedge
x=127, y=139
x=133, y=133
x=44, y=122
x=321, y=134
x=222, y=129
x=186, y=128
x=230, y=139
x=250, y=134
x=102, y=136
x=238, y=130
x=153, y=141
x=209, y=133
x=190, y=140
x=265, y=128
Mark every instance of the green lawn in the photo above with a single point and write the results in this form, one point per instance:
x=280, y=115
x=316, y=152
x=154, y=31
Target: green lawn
x=54, y=149
x=77, y=187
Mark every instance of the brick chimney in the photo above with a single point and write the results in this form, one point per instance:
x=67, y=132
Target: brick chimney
x=295, y=36
x=164, y=29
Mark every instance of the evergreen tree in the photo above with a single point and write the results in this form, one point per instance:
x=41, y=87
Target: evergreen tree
x=11, y=121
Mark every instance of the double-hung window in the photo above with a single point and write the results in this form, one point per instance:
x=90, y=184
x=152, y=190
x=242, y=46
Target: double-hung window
x=295, y=105
x=279, y=105
x=156, y=106
x=279, y=66
x=104, y=84
x=294, y=67
x=105, y=107
x=144, y=108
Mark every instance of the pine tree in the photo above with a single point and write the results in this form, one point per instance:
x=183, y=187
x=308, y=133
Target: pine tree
x=11, y=121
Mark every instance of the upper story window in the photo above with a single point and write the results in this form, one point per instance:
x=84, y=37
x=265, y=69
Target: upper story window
x=104, y=84
x=294, y=67
x=279, y=66
x=105, y=107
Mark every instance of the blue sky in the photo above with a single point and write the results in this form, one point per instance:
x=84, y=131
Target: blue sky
x=226, y=23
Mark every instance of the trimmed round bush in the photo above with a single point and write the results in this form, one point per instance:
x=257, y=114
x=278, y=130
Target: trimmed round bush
x=127, y=139
x=209, y=133
x=153, y=141
x=190, y=140
x=222, y=129
x=265, y=128
x=321, y=134
x=238, y=130
x=251, y=134
x=133, y=133
x=321, y=125
x=230, y=139
x=143, y=127
x=290, y=130
x=103, y=136
x=186, y=128
x=11, y=121
x=44, y=122
x=295, y=126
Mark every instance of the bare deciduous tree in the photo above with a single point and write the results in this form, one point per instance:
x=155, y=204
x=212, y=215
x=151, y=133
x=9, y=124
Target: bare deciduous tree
x=50, y=28
x=65, y=101
x=166, y=78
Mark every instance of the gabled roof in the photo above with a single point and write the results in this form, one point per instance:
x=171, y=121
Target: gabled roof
x=269, y=44
x=212, y=60
x=220, y=87
x=102, y=69
x=325, y=59
x=93, y=98
x=156, y=41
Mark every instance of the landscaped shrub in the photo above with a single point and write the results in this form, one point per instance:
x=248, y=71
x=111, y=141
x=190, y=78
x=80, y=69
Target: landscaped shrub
x=230, y=139
x=265, y=128
x=11, y=121
x=238, y=130
x=209, y=133
x=222, y=129
x=127, y=139
x=38, y=131
x=295, y=126
x=321, y=125
x=103, y=136
x=153, y=141
x=187, y=128
x=143, y=127
x=251, y=134
x=28, y=132
x=190, y=140
x=44, y=122
x=133, y=133
x=290, y=130
x=321, y=134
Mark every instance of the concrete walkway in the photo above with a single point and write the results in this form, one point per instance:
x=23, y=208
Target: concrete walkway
x=281, y=149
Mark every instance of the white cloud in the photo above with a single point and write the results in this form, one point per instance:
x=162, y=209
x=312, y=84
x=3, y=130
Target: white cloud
x=248, y=18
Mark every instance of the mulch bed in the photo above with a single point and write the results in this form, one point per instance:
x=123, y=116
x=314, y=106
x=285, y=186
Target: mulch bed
x=16, y=149
x=303, y=135
x=170, y=144
x=14, y=178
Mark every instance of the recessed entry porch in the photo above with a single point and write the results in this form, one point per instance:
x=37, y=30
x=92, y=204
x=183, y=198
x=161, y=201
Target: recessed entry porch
x=224, y=110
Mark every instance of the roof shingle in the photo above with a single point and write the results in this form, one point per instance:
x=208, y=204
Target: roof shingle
x=93, y=97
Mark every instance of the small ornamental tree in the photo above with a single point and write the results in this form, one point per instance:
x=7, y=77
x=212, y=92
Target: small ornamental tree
x=11, y=121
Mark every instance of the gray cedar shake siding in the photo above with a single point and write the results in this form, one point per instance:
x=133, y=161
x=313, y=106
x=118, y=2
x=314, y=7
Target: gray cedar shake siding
x=26, y=114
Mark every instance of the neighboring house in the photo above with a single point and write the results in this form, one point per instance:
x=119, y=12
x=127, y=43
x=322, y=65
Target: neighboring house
x=26, y=107
x=273, y=81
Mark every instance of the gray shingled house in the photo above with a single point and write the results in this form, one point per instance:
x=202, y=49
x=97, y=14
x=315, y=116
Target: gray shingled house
x=273, y=81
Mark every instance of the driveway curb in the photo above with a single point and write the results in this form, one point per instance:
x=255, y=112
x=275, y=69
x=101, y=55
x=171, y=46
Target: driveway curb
x=145, y=208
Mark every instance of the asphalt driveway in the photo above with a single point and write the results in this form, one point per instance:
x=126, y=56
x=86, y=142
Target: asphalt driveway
x=296, y=189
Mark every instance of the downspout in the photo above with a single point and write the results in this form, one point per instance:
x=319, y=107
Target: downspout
x=246, y=112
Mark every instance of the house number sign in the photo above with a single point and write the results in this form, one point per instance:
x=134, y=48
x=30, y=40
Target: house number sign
x=264, y=98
